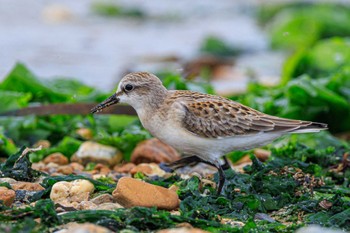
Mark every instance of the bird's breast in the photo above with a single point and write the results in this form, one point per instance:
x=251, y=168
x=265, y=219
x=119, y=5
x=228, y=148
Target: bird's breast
x=151, y=122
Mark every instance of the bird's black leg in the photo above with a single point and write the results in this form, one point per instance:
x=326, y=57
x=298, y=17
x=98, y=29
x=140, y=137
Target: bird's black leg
x=195, y=159
x=222, y=179
x=221, y=174
x=226, y=164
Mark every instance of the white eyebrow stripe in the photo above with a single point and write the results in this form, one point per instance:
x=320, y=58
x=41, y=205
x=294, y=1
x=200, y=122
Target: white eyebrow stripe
x=119, y=87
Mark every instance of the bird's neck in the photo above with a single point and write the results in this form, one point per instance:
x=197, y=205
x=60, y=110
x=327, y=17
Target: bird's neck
x=151, y=103
x=156, y=100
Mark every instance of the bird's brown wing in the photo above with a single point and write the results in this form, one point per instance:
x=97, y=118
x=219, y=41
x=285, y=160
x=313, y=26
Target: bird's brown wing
x=219, y=117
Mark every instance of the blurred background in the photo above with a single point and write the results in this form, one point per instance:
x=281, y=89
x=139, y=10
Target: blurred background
x=99, y=41
x=58, y=59
x=286, y=58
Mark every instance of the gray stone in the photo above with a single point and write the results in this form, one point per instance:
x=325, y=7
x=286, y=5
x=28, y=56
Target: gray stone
x=97, y=153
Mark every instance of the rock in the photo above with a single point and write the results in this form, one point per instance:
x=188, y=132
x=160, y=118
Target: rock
x=149, y=169
x=104, y=198
x=77, y=166
x=85, y=133
x=27, y=196
x=50, y=168
x=86, y=205
x=264, y=217
x=101, y=169
x=7, y=196
x=65, y=170
x=27, y=186
x=63, y=208
x=144, y=168
x=262, y=154
x=153, y=150
x=124, y=168
x=8, y=180
x=317, y=229
x=108, y=206
x=57, y=158
x=97, y=153
x=52, y=165
x=70, y=193
x=232, y=222
x=174, y=188
x=99, y=176
x=83, y=228
x=182, y=230
x=43, y=143
x=40, y=167
x=132, y=192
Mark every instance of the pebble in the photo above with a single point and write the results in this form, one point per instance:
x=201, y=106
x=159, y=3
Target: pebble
x=8, y=180
x=263, y=216
x=85, y=133
x=101, y=169
x=43, y=143
x=97, y=153
x=183, y=230
x=71, y=193
x=153, y=150
x=40, y=166
x=7, y=196
x=108, y=206
x=131, y=192
x=232, y=222
x=77, y=166
x=83, y=228
x=124, y=168
x=86, y=205
x=104, y=198
x=51, y=167
x=65, y=170
x=317, y=229
x=27, y=186
x=149, y=169
x=262, y=154
x=25, y=196
x=57, y=158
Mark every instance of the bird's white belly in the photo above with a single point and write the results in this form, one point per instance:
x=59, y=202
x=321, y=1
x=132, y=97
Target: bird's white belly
x=207, y=148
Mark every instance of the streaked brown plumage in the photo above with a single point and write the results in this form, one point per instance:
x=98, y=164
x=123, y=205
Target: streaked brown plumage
x=217, y=117
x=203, y=126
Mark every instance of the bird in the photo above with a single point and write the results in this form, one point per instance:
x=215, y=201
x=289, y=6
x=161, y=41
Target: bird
x=203, y=127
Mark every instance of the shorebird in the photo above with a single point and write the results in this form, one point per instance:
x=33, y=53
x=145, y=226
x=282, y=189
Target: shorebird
x=203, y=127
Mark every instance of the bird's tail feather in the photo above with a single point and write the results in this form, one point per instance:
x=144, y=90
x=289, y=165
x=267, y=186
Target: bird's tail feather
x=313, y=127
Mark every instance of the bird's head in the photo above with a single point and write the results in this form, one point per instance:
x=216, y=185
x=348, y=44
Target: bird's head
x=136, y=89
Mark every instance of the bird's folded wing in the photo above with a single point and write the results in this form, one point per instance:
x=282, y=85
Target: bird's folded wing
x=225, y=118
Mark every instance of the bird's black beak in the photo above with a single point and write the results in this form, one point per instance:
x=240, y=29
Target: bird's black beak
x=108, y=102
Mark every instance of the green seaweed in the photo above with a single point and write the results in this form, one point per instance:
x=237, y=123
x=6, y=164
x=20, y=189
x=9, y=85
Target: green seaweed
x=300, y=25
x=19, y=167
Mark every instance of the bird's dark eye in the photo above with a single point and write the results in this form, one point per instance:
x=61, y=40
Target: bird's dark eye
x=128, y=87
